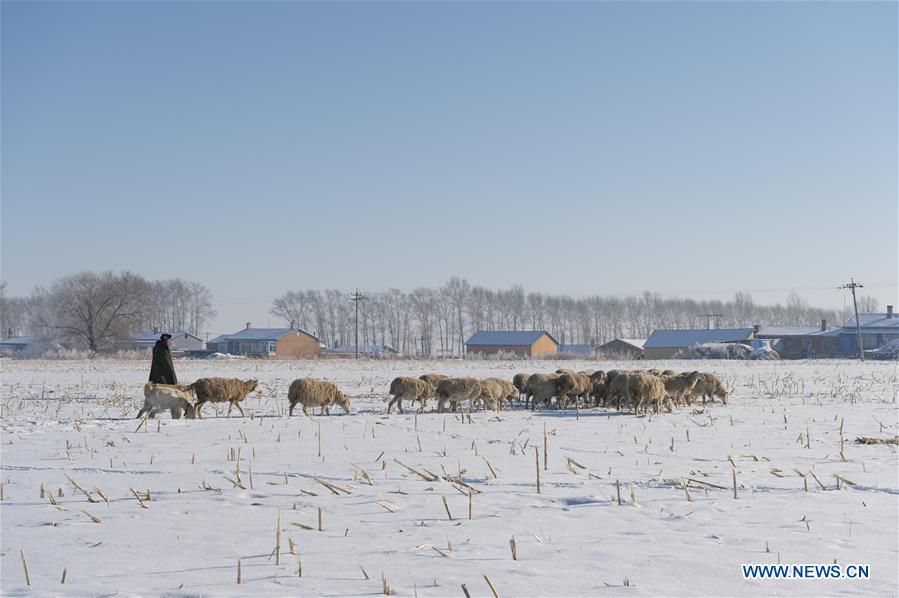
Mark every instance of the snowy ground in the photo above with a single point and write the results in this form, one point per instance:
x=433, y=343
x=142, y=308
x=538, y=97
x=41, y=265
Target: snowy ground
x=75, y=419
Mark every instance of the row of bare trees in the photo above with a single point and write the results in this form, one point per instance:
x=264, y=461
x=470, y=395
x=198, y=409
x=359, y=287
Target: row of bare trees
x=97, y=310
x=437, y=321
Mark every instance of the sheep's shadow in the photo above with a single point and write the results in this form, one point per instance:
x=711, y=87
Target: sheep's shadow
x=570, y=414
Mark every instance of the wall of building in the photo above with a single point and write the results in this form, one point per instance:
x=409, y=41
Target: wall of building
x=660, y=352
x=544, y=347
x=297, y=345
x=617, y=347
x=494, y=349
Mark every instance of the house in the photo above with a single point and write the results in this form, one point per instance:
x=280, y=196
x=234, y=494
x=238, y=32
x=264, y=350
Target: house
x=583, y=351
x=374, y=351
x=180, y=341
x=524, y=343
x=877, y=330
x=626, y=348
x=664, y=344
x=800, y=342
x=16, y=345
x=268, y=342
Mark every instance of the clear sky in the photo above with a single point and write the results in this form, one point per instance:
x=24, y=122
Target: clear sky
x=587, y=148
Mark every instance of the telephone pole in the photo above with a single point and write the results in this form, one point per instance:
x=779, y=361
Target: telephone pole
x=357, y=298
x=852, y=285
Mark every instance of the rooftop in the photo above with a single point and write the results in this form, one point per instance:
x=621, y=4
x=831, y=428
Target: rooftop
x=690, y=338
x=510, y=338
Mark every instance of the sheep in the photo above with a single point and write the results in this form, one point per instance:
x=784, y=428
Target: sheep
x=495, y=391
x=456, y=391
x=679, y=386
x=412, y=389
x=573, y=385
x=310, y=392
x=541, y=387
x=220, y=390
x=433, y=378
x=616, y=386
x=645, y=390
x=520, y=382
x=600, y=392
x=710, y=386
x=174, y=397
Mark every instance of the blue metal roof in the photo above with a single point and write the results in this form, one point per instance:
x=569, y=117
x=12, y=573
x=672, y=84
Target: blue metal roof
x=510, y=338
x=690, y=338
x=870, y=322
x=784, y=331
x=146, y=337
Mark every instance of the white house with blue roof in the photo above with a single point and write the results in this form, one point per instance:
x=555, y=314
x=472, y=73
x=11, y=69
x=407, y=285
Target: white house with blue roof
x=877, y=330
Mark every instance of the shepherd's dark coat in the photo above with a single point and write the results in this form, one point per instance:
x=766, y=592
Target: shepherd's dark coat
x=162, y=370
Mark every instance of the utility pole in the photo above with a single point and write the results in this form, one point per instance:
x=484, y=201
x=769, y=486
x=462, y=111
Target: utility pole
x=357, y=298
x=852, y=285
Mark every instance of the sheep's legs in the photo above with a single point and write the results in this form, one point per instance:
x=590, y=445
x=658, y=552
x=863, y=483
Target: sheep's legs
x=239, y=408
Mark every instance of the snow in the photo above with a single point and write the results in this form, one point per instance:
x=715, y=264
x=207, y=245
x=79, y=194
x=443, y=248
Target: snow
x=573, y=538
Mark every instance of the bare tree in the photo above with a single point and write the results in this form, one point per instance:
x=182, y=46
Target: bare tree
x=868, y=305
x=94, y=310
x=14, y=314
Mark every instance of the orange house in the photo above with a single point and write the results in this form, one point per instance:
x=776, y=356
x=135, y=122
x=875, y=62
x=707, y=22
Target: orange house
x=524, y=343
x=270, y=342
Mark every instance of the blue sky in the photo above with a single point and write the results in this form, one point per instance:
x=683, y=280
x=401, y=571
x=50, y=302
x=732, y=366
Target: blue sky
x=587, y=148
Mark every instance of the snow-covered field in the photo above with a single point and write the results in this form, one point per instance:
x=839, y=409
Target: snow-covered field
x=72, y=422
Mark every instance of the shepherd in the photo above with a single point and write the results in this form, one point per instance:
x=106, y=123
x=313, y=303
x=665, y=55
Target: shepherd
x=162, y=370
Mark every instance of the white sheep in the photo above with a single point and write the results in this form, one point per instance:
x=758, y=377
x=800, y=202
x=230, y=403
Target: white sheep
x=174, y=397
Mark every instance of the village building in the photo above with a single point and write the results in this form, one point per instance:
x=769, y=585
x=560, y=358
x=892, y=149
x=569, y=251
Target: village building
x=523, y=343
x=664, y=344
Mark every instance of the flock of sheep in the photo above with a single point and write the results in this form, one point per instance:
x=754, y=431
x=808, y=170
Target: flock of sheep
x=638, y=390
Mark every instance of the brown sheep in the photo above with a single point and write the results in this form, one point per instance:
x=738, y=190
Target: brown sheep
x=221, y=390
x=680, y=386
x=710, y=386
x=496, y=391
x=456, y=391
x=645, y=390
x=432, y=379
x=573, y=385
x=174, y=397
x=411, y=389
x=310, y=392
x=600, y=393
x=520, y=382
x=616, y=387
x=541, y=387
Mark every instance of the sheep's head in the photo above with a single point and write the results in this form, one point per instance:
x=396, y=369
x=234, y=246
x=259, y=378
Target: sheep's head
x=190, y=412
x=253, y=386
x=344, y=402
